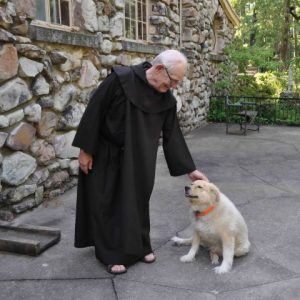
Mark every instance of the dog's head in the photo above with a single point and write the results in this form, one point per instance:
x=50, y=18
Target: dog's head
x=202, y=194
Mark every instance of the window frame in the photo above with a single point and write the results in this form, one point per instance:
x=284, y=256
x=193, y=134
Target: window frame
x=180, y=23
x=51, y=24
x=137, y=21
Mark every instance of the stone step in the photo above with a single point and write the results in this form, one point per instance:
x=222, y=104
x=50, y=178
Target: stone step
x=27, y=239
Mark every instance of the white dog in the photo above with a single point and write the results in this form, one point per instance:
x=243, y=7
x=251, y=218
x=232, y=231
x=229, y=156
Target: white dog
x=218, y=225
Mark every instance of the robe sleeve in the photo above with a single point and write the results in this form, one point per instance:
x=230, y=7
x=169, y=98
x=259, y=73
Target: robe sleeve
x=88, y=131
x=177, y=154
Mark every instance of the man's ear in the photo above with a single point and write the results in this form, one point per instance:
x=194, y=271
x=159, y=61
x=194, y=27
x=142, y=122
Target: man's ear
x=159, y=67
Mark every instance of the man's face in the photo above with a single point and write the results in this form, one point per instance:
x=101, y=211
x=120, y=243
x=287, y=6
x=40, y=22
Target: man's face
x=166, y=79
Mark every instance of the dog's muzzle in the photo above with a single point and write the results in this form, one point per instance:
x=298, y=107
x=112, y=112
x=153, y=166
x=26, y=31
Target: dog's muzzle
x=187, y=190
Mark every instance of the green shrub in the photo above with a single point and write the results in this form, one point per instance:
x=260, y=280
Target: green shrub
x=261, y=58
x=259, y=85
x=268, y=84
x=244, y=85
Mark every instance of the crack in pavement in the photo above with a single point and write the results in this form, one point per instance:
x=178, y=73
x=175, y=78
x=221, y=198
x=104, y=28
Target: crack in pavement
x=266, y=182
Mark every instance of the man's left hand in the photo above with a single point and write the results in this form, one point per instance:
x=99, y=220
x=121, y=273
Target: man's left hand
x=197, y=175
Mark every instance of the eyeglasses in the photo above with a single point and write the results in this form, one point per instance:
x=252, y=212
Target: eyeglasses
x=175, y=81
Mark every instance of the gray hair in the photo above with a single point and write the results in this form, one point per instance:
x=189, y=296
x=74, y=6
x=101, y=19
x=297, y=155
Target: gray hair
x=170, y=58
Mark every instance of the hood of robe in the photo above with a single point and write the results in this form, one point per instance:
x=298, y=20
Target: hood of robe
x=140, y=93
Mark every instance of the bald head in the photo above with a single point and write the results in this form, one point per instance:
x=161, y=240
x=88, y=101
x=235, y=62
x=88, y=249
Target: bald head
x=168, y=69
x=170, y=59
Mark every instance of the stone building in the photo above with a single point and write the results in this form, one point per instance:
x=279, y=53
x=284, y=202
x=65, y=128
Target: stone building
x=53, y=53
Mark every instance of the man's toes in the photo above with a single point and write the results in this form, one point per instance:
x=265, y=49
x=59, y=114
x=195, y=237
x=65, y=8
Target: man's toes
x=118, y=268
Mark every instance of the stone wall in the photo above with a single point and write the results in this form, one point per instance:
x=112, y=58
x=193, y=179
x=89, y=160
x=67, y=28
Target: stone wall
x=48, y=74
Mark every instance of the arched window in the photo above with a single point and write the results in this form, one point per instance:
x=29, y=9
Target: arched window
x=218, y=42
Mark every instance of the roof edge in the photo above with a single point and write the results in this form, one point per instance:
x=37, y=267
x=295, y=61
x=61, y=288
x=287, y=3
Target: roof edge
x=230, y=12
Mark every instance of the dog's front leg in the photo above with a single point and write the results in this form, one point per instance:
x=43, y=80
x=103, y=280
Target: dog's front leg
x=194, y=249
x=228, y=253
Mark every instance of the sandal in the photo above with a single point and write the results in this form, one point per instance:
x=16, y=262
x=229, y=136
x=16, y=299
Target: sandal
x=148, y=261
x=109, y=270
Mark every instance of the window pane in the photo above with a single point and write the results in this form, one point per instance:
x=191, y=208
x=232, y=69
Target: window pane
x=54, y=13
x=140, y=31
x=144, y=12
x=139, y=11
x=144, y=31
x=127, y=28
x=40, y=10
x=133, y=29
x=127, y=9
x=132, y=10
x=65, y=10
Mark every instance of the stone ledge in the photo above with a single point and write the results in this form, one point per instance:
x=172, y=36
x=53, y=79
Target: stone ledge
x=188, y=53
x=27, y=239
x=217, y=57
x=51, y=35
x=151, y=49
x=141, y=48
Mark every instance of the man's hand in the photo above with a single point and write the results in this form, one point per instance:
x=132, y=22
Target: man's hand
x=197, y=175
x=85, y=161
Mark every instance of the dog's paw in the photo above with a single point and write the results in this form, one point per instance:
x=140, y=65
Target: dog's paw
x=176, y=241
x=187, y=258
x=222, y=269
x=214, y=259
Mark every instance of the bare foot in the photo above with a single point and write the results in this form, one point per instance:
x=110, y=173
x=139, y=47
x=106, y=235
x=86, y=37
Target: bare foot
x=116, y=269
x=149, y=258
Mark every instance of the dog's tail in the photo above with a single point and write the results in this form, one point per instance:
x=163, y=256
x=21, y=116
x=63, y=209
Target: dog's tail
x=180, y=241
x=242, y=249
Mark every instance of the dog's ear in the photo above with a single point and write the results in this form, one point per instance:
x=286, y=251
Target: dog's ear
x=215, y=191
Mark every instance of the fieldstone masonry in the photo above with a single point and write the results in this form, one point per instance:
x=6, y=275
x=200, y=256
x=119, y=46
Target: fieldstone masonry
x=47, y=74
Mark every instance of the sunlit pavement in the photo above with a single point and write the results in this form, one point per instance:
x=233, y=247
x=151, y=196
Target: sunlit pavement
x=259, y=172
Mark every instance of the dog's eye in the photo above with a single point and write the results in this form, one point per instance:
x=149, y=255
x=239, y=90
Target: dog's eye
x=199, y=187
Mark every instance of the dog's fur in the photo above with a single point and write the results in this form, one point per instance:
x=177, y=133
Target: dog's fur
x=223, y=230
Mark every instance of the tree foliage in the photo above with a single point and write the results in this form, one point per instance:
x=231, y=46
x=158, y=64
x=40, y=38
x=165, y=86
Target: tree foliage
x=268, y=38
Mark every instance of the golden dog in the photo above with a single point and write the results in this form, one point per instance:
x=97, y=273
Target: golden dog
x=218, y=225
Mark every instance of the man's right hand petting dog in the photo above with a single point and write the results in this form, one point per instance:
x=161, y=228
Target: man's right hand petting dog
x=218, y=226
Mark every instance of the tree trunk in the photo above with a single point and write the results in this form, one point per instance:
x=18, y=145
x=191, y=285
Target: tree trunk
x=253, y=31
x=296, y=51
x=284, y=45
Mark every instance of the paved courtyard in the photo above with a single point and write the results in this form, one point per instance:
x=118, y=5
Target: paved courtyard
x=260, y=172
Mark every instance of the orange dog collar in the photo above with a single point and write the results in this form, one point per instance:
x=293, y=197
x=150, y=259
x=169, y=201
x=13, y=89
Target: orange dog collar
x=205, y=212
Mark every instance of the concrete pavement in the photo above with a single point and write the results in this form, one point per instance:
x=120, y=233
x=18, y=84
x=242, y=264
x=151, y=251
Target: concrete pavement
x=260, y=172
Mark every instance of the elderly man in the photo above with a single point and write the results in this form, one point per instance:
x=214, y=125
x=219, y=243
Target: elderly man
x=118, y=137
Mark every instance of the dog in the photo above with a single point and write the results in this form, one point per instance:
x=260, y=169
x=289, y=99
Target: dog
x=218, y=226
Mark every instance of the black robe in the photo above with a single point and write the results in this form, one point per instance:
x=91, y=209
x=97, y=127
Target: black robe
x=121, y=128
